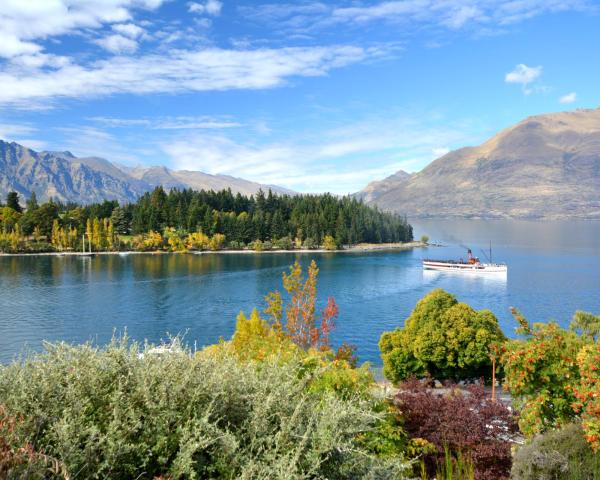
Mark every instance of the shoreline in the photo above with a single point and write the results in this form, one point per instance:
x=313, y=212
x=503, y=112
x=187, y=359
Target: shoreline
x=359, y=248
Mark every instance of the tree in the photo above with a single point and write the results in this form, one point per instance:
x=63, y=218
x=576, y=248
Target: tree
x=442, y=338
x=12, y=201
x=44, y=216
x=32, y=203
x=8, y=218
x=329, y=243
x=217, y=241
x=303, y=326
x=586, y=324
x=541, y=373
x=424, y=239
x=119, y=221
x=587, y=393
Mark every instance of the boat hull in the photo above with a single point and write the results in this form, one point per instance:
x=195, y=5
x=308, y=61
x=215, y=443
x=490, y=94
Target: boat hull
x=465, y=267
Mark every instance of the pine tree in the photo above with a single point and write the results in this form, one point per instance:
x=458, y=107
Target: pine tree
x=12, y=201
x=32, y=203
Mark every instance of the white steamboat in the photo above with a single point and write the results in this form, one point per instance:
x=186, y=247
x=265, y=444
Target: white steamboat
x=472, y=265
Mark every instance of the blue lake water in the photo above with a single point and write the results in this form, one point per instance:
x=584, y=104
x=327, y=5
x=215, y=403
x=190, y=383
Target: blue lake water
x=554, y=269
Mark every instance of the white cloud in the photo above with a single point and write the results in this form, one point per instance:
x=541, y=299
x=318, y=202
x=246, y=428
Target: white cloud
x=84, y=141
x=524, y=75
x=168, y=123
x=568, y=98
x=9, y=130
x=22, y=22
x=128, y=29
x=440, y=151
x=211, y=7
x=117, y=44
x=175, y=71
x=318, y=161
x=20, y=133
x=476, y=15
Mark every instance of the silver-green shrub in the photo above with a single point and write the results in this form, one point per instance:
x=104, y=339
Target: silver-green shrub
x=113, y=413
x=561, y=454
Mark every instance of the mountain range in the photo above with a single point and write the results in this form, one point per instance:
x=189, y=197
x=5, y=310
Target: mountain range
x=547, y=166
x=64, y=177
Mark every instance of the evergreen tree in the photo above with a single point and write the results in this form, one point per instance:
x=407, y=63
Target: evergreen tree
x=32, y=203
x=12, y=201
x=119, y=221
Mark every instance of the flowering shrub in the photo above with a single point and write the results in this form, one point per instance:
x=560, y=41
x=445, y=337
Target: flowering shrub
x=466, y=423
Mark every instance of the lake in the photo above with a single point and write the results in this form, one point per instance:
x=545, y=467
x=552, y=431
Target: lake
x=554, y=269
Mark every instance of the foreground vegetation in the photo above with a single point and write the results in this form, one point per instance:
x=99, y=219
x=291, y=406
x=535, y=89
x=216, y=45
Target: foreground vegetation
x=551, y=373
x=277, y=400
x=190, y=220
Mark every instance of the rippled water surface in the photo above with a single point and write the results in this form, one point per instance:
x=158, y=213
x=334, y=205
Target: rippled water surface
x=554, y=269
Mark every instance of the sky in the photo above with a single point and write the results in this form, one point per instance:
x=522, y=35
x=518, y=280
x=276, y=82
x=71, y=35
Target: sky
x=313, y=96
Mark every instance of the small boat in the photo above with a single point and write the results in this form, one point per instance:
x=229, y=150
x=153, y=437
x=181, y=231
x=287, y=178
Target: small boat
x=472, y=265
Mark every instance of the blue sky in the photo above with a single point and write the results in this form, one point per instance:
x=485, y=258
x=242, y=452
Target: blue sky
x=313, y=96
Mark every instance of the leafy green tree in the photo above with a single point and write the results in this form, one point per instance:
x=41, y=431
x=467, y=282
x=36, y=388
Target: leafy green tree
x=586, y=324
x=44, y=216
x=8, y=218
x=441, y=338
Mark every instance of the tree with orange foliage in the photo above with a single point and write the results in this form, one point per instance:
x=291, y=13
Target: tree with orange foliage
x=303, y=326
x=587, y=393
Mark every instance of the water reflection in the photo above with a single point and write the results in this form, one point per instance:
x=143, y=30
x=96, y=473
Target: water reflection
x=488, y=280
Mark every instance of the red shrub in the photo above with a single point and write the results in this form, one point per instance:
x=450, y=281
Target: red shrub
x=465, y=421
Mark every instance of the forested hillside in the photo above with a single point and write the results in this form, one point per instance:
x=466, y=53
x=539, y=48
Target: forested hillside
x=187, y=219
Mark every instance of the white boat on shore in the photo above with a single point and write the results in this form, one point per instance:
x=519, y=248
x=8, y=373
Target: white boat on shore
x=472, y=265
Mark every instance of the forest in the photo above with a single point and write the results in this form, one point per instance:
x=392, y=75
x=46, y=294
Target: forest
x=180, y=220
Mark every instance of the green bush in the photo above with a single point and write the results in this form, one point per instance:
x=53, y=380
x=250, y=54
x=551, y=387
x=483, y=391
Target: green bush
x=557, y=455
x=113, y=413
x=284, y=243
x=235, y=245
x=442, y=338
x=309, y=243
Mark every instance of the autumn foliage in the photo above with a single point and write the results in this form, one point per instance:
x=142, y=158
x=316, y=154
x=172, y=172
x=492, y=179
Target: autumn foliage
x=541, y=372
x=301, y=323
x=587, y=393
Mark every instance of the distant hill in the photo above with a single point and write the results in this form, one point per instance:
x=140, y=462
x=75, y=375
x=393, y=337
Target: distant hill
x=547, y=166
x=64, y=177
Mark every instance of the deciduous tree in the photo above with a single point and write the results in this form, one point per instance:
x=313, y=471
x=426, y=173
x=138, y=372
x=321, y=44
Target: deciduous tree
x=442, y=338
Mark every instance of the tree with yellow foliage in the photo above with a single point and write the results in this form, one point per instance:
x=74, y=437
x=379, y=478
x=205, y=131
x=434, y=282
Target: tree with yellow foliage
x=217, y=241
x=197, y=241
x=329, y=243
